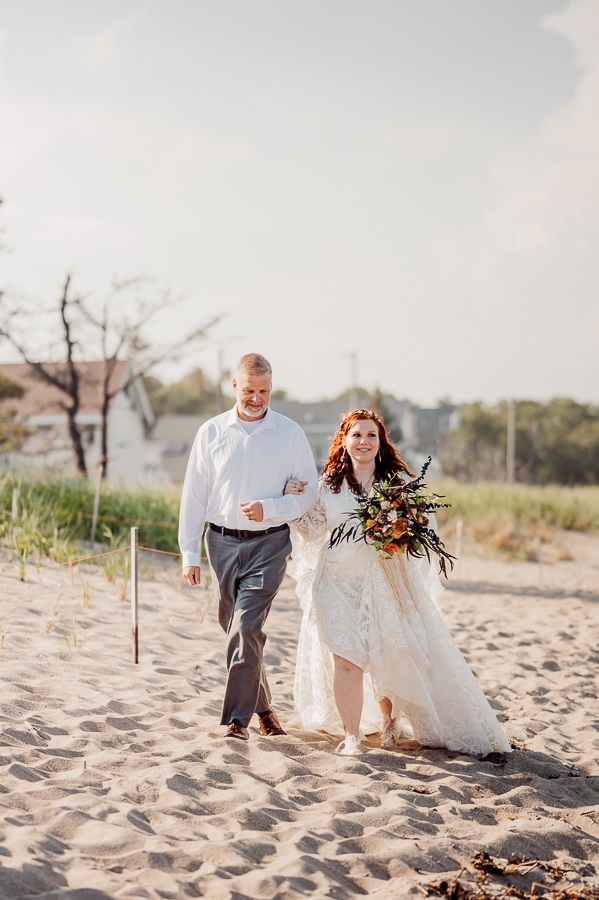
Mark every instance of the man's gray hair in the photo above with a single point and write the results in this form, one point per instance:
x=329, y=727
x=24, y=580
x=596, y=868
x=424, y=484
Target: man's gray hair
x=254, y=364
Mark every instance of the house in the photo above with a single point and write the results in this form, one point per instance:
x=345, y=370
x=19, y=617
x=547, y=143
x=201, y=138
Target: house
x=430, y=425
x=416, y=432
x=42, y=409
x=320, y=420
x=172, y=437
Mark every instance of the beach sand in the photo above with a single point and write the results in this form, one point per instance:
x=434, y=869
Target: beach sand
x=116, y=781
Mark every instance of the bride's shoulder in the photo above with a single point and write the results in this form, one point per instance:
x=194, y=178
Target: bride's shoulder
x=327, y=496
x=325, y=488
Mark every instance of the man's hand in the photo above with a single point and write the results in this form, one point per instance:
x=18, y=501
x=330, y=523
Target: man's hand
x=295, y=487
x=253, y=510
x=191, y=574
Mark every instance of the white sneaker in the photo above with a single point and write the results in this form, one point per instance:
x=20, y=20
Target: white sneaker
x=351, y=745
x=391, y=732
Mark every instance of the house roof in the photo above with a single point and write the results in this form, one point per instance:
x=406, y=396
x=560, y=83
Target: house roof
x=328, y=413
x=177, y=432
x=41, y=398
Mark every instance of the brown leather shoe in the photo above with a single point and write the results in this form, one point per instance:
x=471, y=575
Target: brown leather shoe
x=235, y=730
x=269, y=724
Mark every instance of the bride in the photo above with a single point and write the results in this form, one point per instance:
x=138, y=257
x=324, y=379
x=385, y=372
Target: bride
x=362, y=641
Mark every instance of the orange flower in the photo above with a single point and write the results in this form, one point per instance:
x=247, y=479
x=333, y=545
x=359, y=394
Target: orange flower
x=400, y=526
x=370, y=523
x=391, y=548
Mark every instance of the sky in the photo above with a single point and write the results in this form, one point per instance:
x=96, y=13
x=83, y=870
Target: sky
x=398, y=193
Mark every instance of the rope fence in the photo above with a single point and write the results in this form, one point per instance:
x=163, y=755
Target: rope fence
x=134, y=547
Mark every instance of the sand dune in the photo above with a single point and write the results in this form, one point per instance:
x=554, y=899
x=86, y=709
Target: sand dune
x=116, y=782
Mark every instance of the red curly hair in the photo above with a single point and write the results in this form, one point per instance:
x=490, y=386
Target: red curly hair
x=338, y=466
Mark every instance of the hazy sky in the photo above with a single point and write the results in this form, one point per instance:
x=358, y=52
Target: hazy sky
x=415, y=182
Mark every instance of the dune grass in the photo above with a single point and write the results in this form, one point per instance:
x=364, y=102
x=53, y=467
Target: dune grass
x=512, y=519
x=54, y=517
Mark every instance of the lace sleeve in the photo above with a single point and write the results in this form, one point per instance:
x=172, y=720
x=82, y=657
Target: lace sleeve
x=312, y=525
x=308, y=537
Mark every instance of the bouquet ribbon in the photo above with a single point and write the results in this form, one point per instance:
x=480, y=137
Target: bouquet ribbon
x=396, y=574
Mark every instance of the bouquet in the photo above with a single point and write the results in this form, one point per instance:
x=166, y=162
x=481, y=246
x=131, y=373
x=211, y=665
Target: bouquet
x=395, y=519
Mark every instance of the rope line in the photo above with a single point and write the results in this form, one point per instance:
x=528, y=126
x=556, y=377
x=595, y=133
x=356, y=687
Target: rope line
x=153, y=550
x=74, y=562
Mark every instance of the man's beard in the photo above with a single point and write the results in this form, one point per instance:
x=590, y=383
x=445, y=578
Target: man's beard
x=253, y=413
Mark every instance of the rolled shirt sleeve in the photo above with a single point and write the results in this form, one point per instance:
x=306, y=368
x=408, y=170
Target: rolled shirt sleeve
x=194, y=503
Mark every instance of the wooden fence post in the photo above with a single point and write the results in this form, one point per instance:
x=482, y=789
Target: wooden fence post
x=134, y=617
x=459, y=526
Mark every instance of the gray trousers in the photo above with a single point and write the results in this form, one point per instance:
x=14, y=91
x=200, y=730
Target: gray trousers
x=248, y=573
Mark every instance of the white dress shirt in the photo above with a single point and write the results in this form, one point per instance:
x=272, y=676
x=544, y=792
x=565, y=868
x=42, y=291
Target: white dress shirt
x=228, y=466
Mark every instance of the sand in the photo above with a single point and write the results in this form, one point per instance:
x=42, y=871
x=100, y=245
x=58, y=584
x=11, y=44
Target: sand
x=116, y=781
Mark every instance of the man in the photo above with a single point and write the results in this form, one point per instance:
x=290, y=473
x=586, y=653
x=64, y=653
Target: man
x=239, y=465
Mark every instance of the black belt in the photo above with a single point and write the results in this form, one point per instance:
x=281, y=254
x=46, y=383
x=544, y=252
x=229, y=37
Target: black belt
x=243, y=535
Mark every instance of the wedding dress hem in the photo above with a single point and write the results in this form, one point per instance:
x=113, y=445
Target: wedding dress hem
x=397, y=636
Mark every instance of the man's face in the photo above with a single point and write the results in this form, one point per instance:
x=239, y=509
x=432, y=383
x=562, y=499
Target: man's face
x=252, y=393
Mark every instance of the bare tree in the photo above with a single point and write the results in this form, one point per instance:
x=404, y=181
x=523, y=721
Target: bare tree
x=63, y=376
x=118, y=332
x=110, y=332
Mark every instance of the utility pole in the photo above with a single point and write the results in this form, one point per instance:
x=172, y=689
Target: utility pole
x=219, y=382
x=353, y=389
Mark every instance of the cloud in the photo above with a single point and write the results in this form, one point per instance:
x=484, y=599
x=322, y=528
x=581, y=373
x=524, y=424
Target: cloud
x=549, y=191
x=579, y=22
x=542, y=198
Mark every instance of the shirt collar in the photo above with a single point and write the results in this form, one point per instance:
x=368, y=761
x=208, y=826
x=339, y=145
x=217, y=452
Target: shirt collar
x=266, y=424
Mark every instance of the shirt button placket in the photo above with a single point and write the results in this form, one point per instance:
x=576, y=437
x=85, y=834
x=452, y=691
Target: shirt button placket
x=245, y=493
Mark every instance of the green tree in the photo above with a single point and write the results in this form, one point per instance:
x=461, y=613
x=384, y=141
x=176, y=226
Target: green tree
x=556, y=442
x=362, y=396
x=569, y=443
x=194, y=394
x=476, y=451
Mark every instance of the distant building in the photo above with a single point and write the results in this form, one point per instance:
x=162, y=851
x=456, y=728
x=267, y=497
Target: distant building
x=417, y=432
x=49, y=447
x=321, y=420
x=173, y=436
x=429, y=428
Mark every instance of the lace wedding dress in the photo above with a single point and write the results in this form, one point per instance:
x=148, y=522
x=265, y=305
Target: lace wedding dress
x=393, y=630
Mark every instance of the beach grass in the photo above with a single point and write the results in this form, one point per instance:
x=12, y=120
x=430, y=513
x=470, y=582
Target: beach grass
x=53, y=518
x=511, y=519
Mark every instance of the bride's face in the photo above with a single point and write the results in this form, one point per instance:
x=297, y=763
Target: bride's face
x=362, y=441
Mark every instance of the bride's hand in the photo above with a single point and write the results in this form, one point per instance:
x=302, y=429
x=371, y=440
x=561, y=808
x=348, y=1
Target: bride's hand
x=295, y=487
